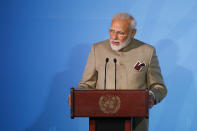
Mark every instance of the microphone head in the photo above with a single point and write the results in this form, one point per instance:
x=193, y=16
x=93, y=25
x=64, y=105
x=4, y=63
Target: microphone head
x=115, y=60
x=107, y=59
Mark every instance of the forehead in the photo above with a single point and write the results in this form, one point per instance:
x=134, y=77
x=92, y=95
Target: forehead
x=120, y=24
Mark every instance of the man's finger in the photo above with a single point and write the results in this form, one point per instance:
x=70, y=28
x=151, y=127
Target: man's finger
x=151, y=101
x=69, y=100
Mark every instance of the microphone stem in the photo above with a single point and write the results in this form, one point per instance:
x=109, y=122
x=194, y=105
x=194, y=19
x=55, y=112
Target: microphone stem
x=115, y=76
x=105, y=77
x=106, y=61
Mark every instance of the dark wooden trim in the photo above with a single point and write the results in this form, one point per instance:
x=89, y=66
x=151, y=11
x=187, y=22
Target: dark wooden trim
x=92, y=124
x=147, y=102
x=72, y=102
x=127, y=125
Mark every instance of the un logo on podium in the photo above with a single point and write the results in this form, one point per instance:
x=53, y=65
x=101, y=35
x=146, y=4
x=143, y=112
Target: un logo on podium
x=109, y=104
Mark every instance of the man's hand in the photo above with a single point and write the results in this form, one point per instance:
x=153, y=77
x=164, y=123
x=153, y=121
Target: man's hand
x=151, y=100
x=69, y=100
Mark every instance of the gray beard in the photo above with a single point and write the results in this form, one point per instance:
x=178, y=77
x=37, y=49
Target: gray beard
x=121, y=45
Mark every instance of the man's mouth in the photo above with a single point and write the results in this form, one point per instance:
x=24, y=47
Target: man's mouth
x=115, y=43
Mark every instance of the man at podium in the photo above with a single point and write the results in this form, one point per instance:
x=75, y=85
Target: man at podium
x=126, y=63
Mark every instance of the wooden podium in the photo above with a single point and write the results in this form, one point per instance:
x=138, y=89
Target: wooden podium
x=109, y=110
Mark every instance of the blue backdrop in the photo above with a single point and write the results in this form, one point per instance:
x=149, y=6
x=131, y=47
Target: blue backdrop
x=45, y=45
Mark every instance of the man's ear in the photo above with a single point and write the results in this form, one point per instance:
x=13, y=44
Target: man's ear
x=133, y=32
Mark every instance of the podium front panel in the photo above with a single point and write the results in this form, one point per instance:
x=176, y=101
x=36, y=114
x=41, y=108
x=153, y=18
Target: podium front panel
x=109, y=103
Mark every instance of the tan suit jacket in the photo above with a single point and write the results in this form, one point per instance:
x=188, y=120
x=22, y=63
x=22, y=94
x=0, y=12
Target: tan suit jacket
x=128, y=77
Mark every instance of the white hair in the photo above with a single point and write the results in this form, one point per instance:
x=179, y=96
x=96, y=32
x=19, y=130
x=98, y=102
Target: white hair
x=126, y=16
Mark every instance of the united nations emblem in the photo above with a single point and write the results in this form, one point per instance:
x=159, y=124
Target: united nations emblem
x=109, y=104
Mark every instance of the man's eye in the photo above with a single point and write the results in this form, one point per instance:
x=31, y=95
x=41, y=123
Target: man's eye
x=121, y=33
x=112, y=31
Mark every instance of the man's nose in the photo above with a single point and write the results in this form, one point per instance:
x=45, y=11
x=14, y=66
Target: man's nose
x=115, y=36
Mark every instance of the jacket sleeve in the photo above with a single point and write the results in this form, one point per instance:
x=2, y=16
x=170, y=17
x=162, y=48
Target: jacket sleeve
x=155, y=79
x=90, y=74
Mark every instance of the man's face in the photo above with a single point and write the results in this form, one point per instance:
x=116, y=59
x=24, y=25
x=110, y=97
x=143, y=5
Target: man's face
x=119, y=30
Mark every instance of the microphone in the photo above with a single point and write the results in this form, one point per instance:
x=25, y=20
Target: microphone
x=115, y=61
x=106, y=61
